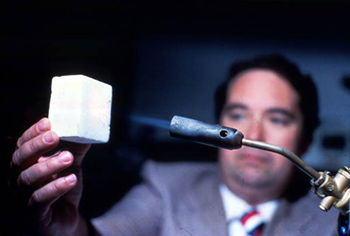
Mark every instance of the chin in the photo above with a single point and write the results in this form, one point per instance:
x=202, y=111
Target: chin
x=252, y=177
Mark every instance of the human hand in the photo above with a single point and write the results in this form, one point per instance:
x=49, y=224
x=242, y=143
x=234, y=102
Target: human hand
x=51, y=185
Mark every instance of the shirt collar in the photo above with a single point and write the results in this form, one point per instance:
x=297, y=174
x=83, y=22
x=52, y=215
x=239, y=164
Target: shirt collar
x=235, y=207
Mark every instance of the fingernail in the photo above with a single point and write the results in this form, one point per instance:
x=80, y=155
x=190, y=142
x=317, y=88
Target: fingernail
x=71, y=178
x=42, y=126
x=65, y=157
x=48, y=137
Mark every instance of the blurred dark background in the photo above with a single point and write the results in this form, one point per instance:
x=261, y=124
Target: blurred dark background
x=162, y=59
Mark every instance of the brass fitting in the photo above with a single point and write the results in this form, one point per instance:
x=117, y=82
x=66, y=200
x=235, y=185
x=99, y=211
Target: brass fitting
x=333, y=191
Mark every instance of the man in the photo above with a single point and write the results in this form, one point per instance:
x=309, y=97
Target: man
x=267, y=99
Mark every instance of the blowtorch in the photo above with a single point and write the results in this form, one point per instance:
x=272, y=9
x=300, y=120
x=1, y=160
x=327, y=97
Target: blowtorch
x=333, y=190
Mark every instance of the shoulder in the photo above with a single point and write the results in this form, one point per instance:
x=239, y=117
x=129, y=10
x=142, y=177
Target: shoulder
x=310, y=202
x=304, y=217
x=324, y=223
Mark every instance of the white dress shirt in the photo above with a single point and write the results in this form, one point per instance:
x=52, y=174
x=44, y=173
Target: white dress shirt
x=236, y=207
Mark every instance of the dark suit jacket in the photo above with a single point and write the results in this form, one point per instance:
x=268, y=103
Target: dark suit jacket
x=183, y=199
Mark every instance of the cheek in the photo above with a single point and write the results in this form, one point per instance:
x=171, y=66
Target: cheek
x=281, y=161
x=242, y=126
x=287, y=138
x=227, y=157
x=224, y=152
x=282, y=166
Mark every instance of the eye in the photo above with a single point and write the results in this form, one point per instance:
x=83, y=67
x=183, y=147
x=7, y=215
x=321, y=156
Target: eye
x=280, y=120
x=236, y=116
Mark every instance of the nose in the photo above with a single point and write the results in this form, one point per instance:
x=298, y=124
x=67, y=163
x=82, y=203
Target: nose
x=255, y=130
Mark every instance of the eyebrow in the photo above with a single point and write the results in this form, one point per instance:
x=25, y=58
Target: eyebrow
x=277, y=110
x=233, y=106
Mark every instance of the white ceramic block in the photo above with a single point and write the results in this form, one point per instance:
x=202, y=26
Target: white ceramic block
x=80, y=109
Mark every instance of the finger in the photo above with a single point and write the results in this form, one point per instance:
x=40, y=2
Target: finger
x=30, y=151
x=77, y=149
x=48, y=194
x=41, y=172
x=38, y=128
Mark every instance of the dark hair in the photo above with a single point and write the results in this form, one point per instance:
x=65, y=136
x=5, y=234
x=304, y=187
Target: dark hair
x=303, y=84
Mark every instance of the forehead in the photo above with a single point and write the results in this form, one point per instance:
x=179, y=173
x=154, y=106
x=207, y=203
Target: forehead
x=261, y=86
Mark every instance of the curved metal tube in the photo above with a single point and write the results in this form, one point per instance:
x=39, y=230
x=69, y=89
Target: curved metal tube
x=284, y=152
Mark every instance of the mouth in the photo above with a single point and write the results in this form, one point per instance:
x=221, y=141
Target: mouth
x=254, y=160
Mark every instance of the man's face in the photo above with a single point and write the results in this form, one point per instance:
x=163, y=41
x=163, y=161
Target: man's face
x=262, y=105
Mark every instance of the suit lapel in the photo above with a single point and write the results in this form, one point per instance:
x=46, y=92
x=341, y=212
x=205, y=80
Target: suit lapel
x=203, y=210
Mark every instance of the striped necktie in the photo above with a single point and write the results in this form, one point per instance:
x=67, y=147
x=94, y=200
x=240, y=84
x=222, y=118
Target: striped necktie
x=252, y=223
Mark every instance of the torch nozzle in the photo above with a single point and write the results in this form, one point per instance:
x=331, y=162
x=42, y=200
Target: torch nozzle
x=200, y=132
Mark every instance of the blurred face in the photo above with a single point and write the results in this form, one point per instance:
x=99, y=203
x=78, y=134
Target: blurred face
x=264, y=107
